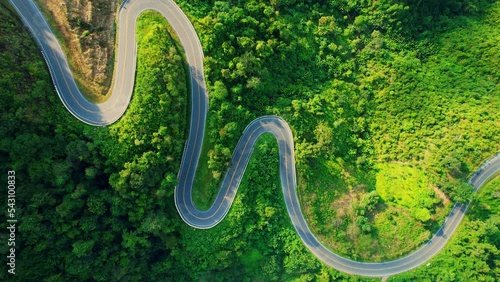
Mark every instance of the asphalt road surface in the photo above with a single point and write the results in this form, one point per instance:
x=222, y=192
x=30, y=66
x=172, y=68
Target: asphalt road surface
x=110, y=111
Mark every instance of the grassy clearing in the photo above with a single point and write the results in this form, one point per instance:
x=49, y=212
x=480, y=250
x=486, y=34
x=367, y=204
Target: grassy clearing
x=375, y=215
x=404, y=186
x=329, y=201
x=398, y=233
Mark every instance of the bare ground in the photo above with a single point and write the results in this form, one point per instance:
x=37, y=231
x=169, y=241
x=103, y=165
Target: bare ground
x=87, y=28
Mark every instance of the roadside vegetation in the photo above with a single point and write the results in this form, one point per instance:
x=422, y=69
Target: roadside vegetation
x=392, y=104
x=472, y=254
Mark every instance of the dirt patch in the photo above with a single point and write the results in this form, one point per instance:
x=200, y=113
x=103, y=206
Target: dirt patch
x=87, y=28
x=441, y=195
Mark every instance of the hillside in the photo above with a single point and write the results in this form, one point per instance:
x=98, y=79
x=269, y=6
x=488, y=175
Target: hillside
x=86, y=29
x=392, y=104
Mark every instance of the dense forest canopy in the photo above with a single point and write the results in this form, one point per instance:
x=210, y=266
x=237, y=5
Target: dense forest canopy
x=393, y=104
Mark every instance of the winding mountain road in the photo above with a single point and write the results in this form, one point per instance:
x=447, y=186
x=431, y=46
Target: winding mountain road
x=110, y=111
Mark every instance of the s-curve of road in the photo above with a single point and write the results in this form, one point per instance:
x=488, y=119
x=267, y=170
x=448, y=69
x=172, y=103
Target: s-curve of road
x=110, y=111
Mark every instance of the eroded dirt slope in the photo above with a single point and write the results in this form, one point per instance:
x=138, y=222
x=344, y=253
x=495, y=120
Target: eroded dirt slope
x=87, y=27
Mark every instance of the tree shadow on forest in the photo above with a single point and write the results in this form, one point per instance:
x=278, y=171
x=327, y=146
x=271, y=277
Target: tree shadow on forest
x=434, y=17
